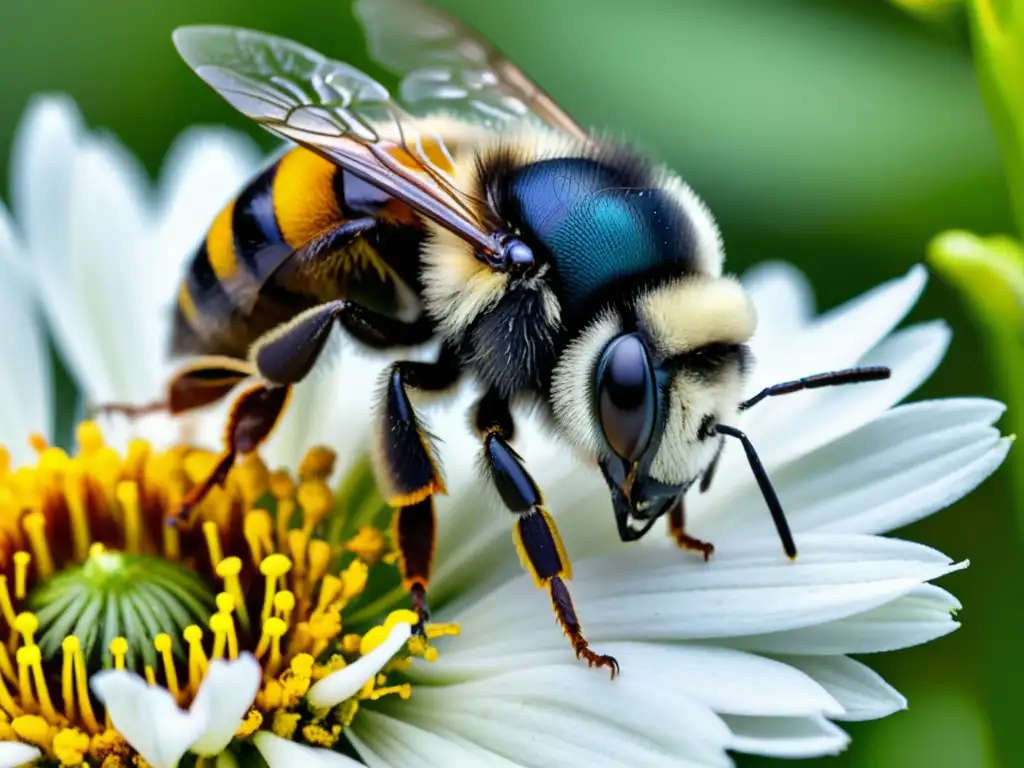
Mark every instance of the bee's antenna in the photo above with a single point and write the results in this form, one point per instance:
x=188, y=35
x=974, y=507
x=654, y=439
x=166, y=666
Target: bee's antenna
x=767, y=490
x=831, y=379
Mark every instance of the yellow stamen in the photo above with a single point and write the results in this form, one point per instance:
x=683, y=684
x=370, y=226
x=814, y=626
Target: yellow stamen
x=317, y=464
x=163, y=645
x=28, y=699
x=128, y=498
x=72, y=647
x=32, y=658
x=119, y=650
x=404, y=690
x=273, y=629
x=197, y=661
x=7, y=701
x=34, y=524
x=442, y=630
x=6, y=606
x=6, y=668
x=171, y=538
x=150, y=676
x=316, y=501
x=258, y=529
x=284, y=603
x=368, y=545
x=319, y=556
x=273, y=568
x=297, y=541
x=26, y=625
x=89, y=438
x=229, y=569
x=212, y=534
x=219, y=624
x=283, y=488
x=78, y=517
x=354, y=579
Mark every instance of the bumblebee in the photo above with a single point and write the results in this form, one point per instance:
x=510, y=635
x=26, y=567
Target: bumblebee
x=470, y=210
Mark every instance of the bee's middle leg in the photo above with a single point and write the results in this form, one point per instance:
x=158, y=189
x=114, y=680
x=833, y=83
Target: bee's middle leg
x=537, y=540
x=408, y=472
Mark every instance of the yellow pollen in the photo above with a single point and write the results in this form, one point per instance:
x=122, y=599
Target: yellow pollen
x=34, y=524
x=77, y=514
x=212, y=535
x=250, y=724
x=70, y=746
x=119, y=650
x=163, y=645
x=128, y=498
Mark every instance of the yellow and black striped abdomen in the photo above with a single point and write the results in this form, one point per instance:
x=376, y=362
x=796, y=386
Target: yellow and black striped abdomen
x=235, y=288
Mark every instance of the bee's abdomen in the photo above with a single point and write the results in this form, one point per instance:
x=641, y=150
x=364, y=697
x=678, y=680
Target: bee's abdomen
x=228, y=297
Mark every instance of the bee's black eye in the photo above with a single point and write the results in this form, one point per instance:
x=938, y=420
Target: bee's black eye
x=626, y=396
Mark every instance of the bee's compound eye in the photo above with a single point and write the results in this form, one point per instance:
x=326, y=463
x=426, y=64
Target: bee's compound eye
x=626, y=396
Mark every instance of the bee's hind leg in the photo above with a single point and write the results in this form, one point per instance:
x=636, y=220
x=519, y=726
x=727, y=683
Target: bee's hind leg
x=536, y=537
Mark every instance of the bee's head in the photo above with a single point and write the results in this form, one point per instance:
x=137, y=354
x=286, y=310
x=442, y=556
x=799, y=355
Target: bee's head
x=641, y=389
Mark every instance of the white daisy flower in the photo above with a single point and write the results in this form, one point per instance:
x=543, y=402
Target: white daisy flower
x=249, y=633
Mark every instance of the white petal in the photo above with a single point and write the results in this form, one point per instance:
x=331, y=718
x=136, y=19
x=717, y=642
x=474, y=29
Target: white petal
x=787, y=736
x=147, y=717
x=224, y=697
x=282, y=753
x=25, y=387
x=14, y=754
x=862, y=692
x=387, y=742
x=345, y=683
x=922, y=615
x=748, y=588
x=903, y=466
x=42, y=162
x=784, y=302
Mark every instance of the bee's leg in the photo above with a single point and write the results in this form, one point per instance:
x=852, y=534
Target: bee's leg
x=676, y=529
x=200, y=382
x=536, y=537
x=253, y=416
x=407, y=471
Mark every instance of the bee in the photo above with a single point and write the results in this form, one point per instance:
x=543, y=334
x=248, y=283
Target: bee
x=469, y=210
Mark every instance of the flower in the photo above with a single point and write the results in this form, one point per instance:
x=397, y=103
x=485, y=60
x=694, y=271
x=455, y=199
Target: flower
x=307, y=643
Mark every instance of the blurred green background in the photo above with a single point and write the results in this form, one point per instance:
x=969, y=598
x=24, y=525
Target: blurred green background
x=837, y=134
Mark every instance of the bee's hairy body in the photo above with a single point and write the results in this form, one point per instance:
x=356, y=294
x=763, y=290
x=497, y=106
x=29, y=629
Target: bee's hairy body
x=510, y=334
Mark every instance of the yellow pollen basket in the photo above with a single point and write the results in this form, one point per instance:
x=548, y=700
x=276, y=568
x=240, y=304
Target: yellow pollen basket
x=267, y=565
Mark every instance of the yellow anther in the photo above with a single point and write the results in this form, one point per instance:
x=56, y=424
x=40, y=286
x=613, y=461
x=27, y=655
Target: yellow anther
x=229, y=569
x=258, y=529
x=73, y=649
x=319, y=556
x=285, y=723
x=38, y=442
x=225, y=602
x=34, y=729
x=318, y=736
x=368, y=545
x=250, y=724
x=78, y=515
x=331, y=589
x=212, y=535
x=401, y=616
x=418, y=647
x=284, y=603
x=442, y=630
x=26, y=625
x=70, y=746
x=350, y=644
x=372, y=639
x=346, y=712
x=253, y=478
x=404, y=690
x=164, y=646
x=34, y=524
x=281, y=485
x=89, y=437
x=354, y=579
x=21, y=562
x=128, y=498
x=119, y=650
x=316, y=501
x=197, y=661
x=317, y=464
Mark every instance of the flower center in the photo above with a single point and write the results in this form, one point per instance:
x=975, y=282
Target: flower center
x=92, y=577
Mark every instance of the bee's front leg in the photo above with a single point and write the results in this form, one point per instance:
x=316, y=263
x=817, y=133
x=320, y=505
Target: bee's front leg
x=406, y=469
x=536, y=537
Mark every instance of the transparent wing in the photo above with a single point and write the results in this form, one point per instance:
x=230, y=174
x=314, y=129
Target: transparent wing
x=448, y=67
x=335, y=110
